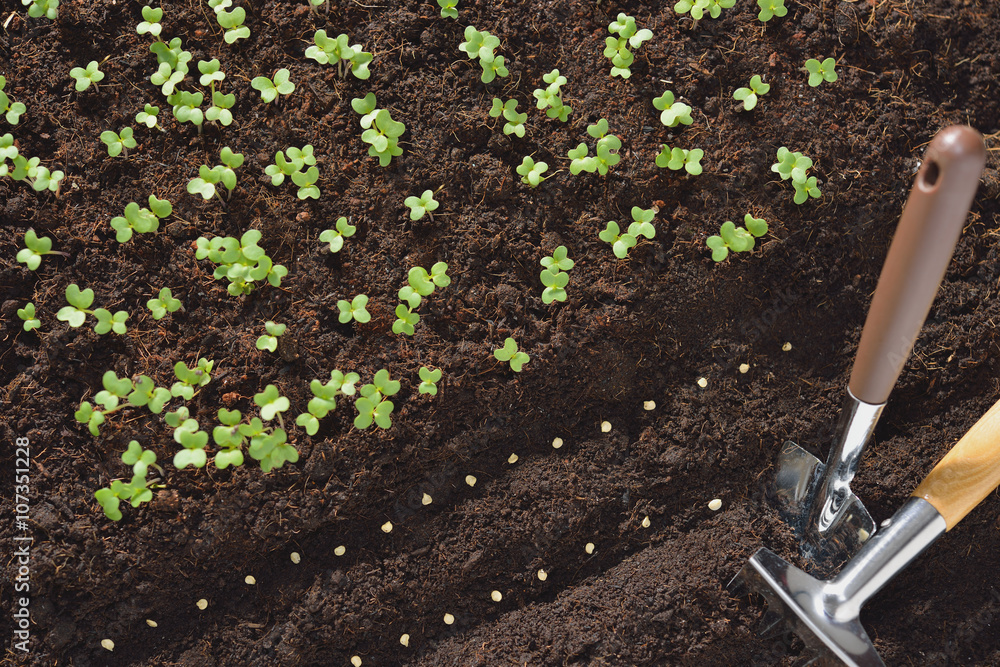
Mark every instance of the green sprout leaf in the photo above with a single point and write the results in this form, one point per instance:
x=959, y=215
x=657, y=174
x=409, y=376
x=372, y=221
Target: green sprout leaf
x=271, y=403
x=425, y=203
x=354, y=310
x=771, y=8
x=335, y=237
x=428, y=381
x=86, y=76
x=448, y=8
x=510, y=353
x=27, y=314
x=270, y=89
x=821, y=71
x=36, y=248
x=531, y=172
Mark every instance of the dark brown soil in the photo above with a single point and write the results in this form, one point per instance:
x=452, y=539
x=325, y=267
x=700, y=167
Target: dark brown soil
x=642, y=329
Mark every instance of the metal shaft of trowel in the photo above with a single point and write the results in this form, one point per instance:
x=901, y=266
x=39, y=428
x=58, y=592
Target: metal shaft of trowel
x=857, y=422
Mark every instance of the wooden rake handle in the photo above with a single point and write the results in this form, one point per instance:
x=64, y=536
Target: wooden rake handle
x=968, y=473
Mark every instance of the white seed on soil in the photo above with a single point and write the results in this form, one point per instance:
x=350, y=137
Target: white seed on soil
x=786, y=347
x=449, y=619
x=646, y=522
x=470, y=480
x=715, y=505
x=426, y=500
x=512, y=459
x=702, y=382
x=557, y=443
x=649, y=405
x=605, y=427
x=405, y=640
x=296, y=558
x=387, y=527
x=589, y=548
x=356, y=660
x=151, y=623
x=202, y=604
x=108, y=644
x=496, y=596
x=340, y=551
x=542, y=575
x=744, y=368
x=863, y=534
x=250, y=580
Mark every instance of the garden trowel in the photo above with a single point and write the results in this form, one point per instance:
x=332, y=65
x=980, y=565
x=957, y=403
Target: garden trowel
x=815, y=498
x=825, y=613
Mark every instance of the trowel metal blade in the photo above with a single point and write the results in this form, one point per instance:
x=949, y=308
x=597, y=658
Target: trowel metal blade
x=795, y=485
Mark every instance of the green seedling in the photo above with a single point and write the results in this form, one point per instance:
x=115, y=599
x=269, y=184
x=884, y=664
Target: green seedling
x=324, y=400
x=771, y=8
x=531, y=172
x=35, y=248
x=337, y=51
x=428, y=381
x=423, y=283
x=493, y=69
x=555, y=285
x=271, y=89
x=673, y=113
x=749, y=95
x=550, y=97
x=313, y=4
x=172, y=65
x=148, y=118
x=220, y=5
x=241, y=261
x=286, y=166
x=110, y=398
x=406, y=320
x=186, y=107
x=271, y=403
x=232, y=23
x=642, y=223
x=229, y=439
x=79, y=307
x=354, y=310
x=607, y=156
x=730, y=238
x=821, y=71
x=150, y=22
x=795, y=166
x=224, y=173
x=269, y=341
x=12, y=110
x=510, y=353
x=580, y=161
x=335, y=237
x=163, y=304
x=39, y=8
x=479, y=44
x=306, y=180
x=270, y=448
x=558, y=260
x=756, y=226
x=699, y=7
x=191, y=380
x=448, y=10
x=425, y=203
x=374, y=405
x=515, y=121
x=134, y=492
x=383, y=135
x=617, y=48
x=141, y=220
x=85, y=76
x=806, y=189
x=118, y=143
x=679, y=158
x=27, y=314
x=147, y=394
x=211, y=71
x=220, y=109
x=28, y=170
x=620, y=243
x=188, y=436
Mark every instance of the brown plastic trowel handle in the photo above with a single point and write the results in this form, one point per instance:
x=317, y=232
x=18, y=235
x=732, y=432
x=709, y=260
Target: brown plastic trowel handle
x=968, y=473
x=918, y=256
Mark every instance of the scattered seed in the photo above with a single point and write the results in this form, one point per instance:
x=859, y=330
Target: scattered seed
x=387, y=527
x=356, y=660
x=605, y=427
x=405, y=640
x=786, y=347
x=557, y=443
x=702, y=382
x=649, y=405
x=426, y=500
x=715, y=505
x=496, y=596
x=151, y=623
x=449, y=619
x=108, y=644
x=542, y=575
x=589, y=548
x=470, y=480
x=863, y=534
x=250, y=580
x=646, y=522
x=296, y=558
x=202, y=604
x=340, y=551
x=744, y=368
x=512, y=459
